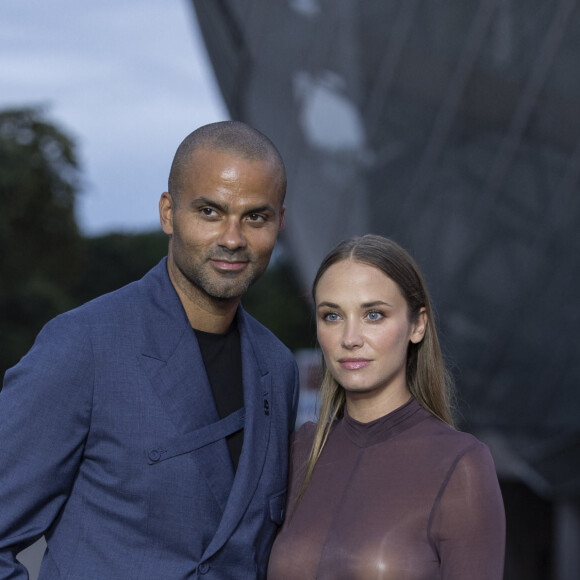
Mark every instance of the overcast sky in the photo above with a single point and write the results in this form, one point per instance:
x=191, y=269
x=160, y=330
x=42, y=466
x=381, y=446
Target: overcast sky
x=127, y=79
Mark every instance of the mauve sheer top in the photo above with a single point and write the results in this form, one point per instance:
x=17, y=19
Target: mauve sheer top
x=404, y=497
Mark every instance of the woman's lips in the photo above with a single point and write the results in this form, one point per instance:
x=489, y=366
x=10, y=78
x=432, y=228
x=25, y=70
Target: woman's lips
x=353, y=364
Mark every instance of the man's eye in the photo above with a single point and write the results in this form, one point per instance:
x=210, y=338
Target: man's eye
x=209, y=212
x=256, y=217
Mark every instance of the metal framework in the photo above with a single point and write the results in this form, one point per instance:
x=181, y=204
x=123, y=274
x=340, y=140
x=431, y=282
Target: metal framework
x=454, y=127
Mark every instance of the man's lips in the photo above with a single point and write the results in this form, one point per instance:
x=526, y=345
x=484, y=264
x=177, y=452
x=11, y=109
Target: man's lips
x=353, y=364
x=229, y=265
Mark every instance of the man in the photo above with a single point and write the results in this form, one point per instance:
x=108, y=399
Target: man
x=121, y=431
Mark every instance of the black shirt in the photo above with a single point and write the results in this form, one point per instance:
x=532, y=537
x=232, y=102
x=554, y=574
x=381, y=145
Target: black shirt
x=222, y=357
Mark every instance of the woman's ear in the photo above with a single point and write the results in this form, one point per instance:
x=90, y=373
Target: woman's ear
x=419, y=327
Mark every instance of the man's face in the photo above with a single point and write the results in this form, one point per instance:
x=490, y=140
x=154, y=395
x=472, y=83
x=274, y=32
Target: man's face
x=224, y=224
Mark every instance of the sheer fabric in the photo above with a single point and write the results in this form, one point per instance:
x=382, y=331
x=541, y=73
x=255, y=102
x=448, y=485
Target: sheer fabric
x=404, y=497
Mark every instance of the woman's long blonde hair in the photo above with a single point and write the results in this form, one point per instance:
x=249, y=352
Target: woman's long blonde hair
x=427, y=378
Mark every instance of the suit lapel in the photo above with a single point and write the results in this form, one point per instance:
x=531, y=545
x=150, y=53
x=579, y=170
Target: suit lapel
x=182, y=385
x=171, y=358
x=170, y=355
x=257, y=386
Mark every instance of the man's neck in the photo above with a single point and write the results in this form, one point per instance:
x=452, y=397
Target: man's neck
x=214, y=322
x=204, y=312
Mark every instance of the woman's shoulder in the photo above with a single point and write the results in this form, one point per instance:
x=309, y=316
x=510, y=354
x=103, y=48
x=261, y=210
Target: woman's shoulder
x=304, y=435
x=301, y=441
x=444, y=436
x=453, y=451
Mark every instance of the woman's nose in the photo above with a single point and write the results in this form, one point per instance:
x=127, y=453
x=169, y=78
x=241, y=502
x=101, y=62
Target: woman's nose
x=352, y=337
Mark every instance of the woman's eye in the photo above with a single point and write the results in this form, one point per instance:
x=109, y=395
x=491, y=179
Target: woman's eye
x=331, y=317
x=374, y=315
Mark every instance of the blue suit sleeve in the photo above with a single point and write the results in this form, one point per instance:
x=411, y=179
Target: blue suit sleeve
x=45, y=408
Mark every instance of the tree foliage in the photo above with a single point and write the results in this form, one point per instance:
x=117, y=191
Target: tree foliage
x=47, y=267
x=277, y=301
x=113, y=260
x=42, y=247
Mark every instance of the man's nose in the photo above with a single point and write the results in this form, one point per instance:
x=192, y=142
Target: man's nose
x=232, y=236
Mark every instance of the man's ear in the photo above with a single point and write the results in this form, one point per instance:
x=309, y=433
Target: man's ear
x=283, y=218
x=166, y=207
x=419, y=327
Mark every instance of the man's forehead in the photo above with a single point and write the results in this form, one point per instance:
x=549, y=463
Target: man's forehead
x=209, y=152
x=262, y=175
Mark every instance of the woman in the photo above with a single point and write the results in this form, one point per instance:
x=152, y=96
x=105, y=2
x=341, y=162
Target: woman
x=386, y=487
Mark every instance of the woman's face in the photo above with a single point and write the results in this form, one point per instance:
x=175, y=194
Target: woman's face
x=364, y=331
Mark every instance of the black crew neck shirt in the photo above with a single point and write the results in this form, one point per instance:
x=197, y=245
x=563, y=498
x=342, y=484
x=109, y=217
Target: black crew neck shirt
x=222, y=357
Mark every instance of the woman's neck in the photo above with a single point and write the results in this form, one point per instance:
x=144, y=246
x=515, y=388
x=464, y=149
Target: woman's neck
x=366, y=407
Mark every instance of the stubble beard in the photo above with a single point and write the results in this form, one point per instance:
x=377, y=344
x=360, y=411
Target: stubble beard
x=221, y=286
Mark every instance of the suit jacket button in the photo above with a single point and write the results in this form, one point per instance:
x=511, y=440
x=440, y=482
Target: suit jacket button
x=203, y=568
x=154, y=455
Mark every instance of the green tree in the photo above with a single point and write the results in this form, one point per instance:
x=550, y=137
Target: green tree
x=277, y=302
x=47, y=267
x=42, y=247
x=115, y=259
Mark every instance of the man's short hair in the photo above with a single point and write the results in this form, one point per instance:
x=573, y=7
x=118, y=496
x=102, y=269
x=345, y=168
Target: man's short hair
x=232, y=137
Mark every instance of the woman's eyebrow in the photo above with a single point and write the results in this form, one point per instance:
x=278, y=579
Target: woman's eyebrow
x=375, y=303
x=327, y=304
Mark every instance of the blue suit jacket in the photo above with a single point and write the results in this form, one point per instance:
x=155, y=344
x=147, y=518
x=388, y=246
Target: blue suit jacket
x=111, y=446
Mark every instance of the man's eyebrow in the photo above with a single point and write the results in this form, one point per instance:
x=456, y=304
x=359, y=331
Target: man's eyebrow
x=204, y=201
x=266, y=208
